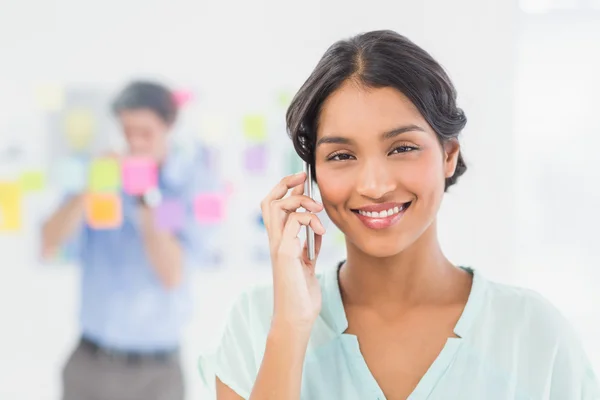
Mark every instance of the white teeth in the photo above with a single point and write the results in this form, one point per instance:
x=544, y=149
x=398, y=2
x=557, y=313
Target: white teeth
x=382, y=214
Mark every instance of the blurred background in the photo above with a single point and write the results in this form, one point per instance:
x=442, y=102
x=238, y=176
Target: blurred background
x=526, y=213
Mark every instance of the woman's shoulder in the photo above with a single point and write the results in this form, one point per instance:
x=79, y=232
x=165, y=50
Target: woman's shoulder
x=507, y=300
x=524, y=315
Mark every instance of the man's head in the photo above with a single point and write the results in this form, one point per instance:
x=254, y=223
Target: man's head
x=146, y=111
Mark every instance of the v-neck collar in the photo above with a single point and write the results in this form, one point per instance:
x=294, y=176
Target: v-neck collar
x=334, y=314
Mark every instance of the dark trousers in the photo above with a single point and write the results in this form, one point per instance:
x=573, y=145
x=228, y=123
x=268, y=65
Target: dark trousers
x=91, y=374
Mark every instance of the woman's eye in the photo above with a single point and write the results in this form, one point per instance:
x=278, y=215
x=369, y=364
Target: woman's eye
x=340, y=157
x=403, y=149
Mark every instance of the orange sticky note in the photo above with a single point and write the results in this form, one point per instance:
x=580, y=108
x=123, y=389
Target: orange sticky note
x=11, y=198
x=103, y=210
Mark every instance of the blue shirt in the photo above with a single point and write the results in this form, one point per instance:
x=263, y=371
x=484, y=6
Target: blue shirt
x=511, y=344
x=124, y=306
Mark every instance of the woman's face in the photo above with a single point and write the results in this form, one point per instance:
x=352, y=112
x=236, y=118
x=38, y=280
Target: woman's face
x=380, y=168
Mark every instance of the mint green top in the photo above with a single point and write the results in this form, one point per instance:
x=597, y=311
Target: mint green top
x=512, y=344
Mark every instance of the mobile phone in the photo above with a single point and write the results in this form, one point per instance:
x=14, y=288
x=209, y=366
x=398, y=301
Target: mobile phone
x=308, y=191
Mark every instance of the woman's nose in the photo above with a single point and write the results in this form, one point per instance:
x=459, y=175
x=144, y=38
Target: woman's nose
x=375, y=180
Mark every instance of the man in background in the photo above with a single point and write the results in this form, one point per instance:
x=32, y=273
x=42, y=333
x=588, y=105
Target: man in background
x=135, y=295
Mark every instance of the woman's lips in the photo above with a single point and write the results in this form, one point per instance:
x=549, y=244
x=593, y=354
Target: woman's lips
x=384, y=218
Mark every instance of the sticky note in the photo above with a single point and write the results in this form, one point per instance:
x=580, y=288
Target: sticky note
x=50, y=97
x=209, y=208
x=79, y=125
x=11, y=199
x=255, y=128
x=139, y=175
x=71, y=174
x=103, y=210
x=183, y=97
x=105, y=175
x=170, y=215
x=32, y=181
x=295, y=163
x=255, y=159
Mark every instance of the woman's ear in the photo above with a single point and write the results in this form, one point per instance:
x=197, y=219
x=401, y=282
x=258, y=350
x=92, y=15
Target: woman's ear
x=451, y=152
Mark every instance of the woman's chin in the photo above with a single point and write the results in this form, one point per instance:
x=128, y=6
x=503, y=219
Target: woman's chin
x=377, y=249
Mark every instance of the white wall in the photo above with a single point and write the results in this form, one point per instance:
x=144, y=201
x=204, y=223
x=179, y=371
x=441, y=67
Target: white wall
x=239, y=52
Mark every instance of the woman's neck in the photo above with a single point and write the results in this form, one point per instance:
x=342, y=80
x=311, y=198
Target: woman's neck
x=419, y=275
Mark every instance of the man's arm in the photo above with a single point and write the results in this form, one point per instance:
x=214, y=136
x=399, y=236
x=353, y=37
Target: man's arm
x=62, y=225
x=165, y=252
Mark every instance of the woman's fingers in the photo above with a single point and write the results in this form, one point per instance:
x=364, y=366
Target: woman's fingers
x=307, y=261
x=292, y=203
x=290, y=244
x=281, y=209
x=279, y=191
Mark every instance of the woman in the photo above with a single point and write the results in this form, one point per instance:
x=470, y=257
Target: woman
x=378, y=121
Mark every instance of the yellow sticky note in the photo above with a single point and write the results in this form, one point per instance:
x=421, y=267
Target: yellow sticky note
x=50, y=97
x=11, y=198
x=79, y=128
x=255, y=127
x=32, y=181
x=103, y=210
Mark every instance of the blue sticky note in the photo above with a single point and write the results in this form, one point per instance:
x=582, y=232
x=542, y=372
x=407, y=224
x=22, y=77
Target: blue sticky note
x=71, y=174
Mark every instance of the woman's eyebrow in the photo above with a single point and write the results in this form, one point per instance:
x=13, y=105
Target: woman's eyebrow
x=385, y=136
x=400, y=130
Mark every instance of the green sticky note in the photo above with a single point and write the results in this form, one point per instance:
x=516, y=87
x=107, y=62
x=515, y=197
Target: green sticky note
x=105, y=175
x=32, y=181
x=295, y=163
x=255, y=127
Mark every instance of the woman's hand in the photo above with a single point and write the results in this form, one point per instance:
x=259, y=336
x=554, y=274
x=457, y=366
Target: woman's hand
x=297, y=295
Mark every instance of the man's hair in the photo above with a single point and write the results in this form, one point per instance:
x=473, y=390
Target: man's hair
x=147, y=95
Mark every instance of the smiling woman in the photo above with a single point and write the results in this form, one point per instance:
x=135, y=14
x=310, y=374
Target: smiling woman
x=378, y=122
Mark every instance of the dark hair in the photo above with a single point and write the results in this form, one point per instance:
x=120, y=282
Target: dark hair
x=147, y=95
x=378, y=59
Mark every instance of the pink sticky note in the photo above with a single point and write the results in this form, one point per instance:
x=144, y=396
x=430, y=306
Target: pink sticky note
x=139, y=175
x=170, y=215
x=209, y=208
x=255, y=159
x=183, y=97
